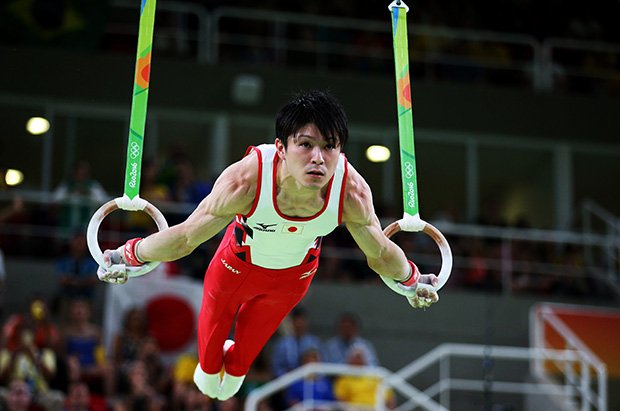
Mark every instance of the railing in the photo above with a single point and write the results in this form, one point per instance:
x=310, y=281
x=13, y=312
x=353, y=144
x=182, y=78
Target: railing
x=387, y=379
x=514, y=260
x=254, y=36
x=334, y=43
x=593, y=214
x=568, y=59
x=444, y=355
x=508, y=268
x=437, y=396
x=579, y=389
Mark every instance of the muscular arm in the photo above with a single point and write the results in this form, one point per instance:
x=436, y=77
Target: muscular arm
x=233, y=193
x=383, y=256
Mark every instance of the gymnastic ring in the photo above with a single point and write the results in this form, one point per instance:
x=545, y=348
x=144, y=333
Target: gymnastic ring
x=442, y=243
x=102, y=212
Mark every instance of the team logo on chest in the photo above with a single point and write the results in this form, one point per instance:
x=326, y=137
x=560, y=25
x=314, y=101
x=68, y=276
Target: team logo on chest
x=266, y=228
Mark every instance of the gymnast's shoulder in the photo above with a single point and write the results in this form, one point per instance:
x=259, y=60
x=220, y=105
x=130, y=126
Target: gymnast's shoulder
x=357, y=206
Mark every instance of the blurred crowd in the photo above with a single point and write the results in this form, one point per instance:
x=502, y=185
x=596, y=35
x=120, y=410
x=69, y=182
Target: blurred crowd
x=78, y=24
x=56, y=360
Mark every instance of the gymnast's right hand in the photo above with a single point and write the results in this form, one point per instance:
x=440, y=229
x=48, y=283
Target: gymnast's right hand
x=116, y=261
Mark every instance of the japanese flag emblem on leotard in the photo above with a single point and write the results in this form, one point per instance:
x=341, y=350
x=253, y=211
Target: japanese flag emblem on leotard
x=292, y=228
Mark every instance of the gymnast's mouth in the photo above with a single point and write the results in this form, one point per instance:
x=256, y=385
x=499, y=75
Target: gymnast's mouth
x=316, y=173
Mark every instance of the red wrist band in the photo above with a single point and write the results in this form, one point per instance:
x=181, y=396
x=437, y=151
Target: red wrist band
x=415, y=275
x=129, y=252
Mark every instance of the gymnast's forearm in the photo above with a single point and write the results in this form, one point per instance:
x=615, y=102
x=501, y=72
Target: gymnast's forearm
x=180, y=240
x=167, y=245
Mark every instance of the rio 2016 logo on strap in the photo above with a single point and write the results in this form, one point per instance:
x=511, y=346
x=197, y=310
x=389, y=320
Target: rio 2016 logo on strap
x=133, y=174
x=411, y=194
x=409, y=170
x=134, y=150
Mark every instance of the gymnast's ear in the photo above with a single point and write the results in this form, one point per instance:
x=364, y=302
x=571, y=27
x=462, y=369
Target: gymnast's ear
x=280, y=148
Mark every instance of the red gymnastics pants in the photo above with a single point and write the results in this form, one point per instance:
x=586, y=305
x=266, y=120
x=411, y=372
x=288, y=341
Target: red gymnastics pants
x=263, y=298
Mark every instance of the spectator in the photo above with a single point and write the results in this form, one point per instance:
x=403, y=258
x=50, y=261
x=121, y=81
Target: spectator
x=79, y=196
x=187, y=188
x=82, y=340
x=37, y=322
x=77, y=274
x=477, y=275
x=127, y=342
x=321, y=393
x=348, y=331
x=19, y=397
x=128, y=345
x=140, y=394
x=29, y=353
x=149, y=354
x=185, y=394
x=79, y=398
x=286, y=353
x=360, y=390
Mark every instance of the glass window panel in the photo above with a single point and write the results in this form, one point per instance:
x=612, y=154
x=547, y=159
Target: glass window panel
x=516, y=186
x=596, y=179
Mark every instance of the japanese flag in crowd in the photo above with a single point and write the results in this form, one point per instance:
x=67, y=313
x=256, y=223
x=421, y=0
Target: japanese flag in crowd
x=171, y=305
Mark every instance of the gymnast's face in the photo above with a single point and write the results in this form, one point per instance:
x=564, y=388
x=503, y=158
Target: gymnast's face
x=309, y=157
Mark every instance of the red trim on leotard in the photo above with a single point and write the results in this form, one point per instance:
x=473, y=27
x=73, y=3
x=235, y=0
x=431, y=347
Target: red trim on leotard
x=314, y=251
x=240, y=248
x=274, y=196
x=342, y=189
x=259, y=179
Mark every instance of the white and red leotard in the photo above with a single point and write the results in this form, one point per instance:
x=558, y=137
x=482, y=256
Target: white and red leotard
x=262, y=268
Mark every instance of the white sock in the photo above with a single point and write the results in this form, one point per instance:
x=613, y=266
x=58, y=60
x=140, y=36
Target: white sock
x=229, y=387
x=230, y=384
x=208, y=384
x=227, y=345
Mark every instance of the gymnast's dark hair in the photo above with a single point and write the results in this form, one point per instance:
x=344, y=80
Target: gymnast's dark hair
x=313, y=106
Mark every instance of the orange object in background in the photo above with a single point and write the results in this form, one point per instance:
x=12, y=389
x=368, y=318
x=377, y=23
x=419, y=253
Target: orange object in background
x=597, y=328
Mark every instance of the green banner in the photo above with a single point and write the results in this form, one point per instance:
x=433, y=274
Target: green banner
x=139, y=101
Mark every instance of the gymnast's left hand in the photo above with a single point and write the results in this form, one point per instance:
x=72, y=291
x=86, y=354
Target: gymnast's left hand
x=425, y=293
x=114, y=270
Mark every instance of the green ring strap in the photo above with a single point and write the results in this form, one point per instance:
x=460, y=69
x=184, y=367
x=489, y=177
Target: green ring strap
x=139, y=101
x=405, y=110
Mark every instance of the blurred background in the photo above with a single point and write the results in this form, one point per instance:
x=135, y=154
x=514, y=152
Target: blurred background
x=516, y=130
